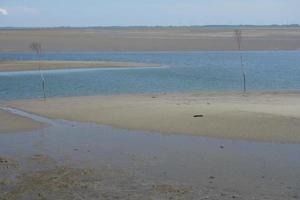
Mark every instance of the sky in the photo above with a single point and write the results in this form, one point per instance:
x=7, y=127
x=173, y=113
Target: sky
x=49, y=13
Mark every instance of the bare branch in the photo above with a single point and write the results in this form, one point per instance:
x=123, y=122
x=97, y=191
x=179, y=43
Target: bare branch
x=36, y=47
x=238, y=37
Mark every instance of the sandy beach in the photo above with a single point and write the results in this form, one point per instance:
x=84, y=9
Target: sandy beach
x=13, y=123
x=6, y=66
x=149, y=39
x=255, y=116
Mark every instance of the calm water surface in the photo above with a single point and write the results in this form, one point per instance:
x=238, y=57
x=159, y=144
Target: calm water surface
x=181, y=72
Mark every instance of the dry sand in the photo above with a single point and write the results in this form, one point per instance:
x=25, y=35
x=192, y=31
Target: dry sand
x=13, y=123
x=34, y=65
x=149, y=39
x=256, y=116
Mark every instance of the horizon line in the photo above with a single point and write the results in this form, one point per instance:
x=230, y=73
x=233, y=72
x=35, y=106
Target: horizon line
x=153, y=26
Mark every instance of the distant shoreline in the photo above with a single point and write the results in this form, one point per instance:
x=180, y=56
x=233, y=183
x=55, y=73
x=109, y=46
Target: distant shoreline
x=143, y=39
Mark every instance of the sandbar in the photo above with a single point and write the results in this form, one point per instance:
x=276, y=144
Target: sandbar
x=6, y=66
x=270, y=117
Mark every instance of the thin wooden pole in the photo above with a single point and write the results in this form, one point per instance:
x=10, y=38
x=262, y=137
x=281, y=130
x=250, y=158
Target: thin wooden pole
x=238, y=36
x=37, y=48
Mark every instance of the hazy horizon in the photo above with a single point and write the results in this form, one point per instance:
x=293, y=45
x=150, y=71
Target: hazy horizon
x=155, y=26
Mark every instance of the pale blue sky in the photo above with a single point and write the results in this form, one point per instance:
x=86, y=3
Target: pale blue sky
x=147, y=12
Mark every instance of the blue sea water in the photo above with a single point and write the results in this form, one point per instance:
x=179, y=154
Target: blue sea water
x=180, y=72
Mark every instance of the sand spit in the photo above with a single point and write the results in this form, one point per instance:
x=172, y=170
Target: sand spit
x=149, y=39
x=48, y=65
x=271, y=117
x=10, y=122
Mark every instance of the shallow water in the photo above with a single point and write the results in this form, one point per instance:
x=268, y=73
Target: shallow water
x=242, y=167
x=181, y=72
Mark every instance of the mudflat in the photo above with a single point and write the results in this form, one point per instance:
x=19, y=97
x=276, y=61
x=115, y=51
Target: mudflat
x=271, y=117
x=149, y=39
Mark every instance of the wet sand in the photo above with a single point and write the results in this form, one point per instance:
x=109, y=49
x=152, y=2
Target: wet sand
x=270, y=117
x=13, y=123
x=70, y=183
x=73, y=160
x=6, y=66
x=149, y=39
